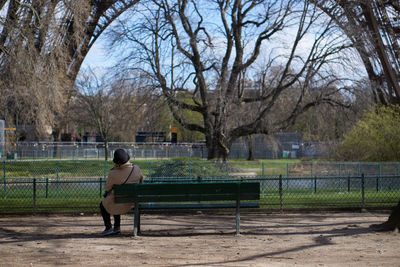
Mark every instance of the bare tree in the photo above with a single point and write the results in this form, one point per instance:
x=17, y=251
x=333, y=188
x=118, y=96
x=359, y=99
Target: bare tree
x=112, y=106
x=42, y=47
x=203, y=47
x=330, y=123
x=34, y=54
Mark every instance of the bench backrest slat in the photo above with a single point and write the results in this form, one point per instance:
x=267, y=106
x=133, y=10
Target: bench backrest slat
x=179, y=192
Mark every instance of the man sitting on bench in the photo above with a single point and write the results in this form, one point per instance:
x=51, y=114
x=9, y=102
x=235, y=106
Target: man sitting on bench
x=122, y=173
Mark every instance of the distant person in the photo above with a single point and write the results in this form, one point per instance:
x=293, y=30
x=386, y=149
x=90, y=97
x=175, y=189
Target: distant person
x=122, y=173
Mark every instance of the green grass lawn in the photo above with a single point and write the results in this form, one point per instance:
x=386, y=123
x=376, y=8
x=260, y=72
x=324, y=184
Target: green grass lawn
x=21, y=201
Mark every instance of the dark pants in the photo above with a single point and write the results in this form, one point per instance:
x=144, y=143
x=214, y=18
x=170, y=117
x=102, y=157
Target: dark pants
x=107, y=218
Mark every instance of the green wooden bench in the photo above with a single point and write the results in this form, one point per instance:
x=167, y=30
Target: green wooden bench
x=188, y=195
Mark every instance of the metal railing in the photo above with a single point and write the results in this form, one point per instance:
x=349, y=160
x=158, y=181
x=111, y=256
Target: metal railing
x=77, y=186
x=96, y=150
x=38, y=195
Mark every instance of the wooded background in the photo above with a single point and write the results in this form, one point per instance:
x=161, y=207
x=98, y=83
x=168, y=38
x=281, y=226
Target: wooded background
x=216, y=69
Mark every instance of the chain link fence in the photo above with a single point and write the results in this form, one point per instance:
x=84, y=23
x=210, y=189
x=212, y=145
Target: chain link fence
x=93, y=150
x=78, y=186
x=262, y=149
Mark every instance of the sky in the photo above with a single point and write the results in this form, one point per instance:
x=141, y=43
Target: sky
x=98, y=56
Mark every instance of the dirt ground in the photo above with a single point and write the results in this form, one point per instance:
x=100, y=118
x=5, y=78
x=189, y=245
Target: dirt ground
x=201, y=239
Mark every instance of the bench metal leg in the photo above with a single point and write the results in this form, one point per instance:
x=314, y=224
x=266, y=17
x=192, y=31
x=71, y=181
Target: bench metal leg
x=238, y=217
x=138, y=224
x=136, y=220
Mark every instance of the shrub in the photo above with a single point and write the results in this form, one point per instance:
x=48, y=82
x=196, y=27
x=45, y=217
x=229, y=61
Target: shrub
x=176, y=168
x=376, y=137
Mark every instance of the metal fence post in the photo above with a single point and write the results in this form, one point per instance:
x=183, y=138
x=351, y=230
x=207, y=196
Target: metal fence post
x=362, y=191
x=101, y=186
x=34, y=196
x=315, y=185
x=57, y=180
x=287, y=169
x=315, y=178
x=280, y=192
x=348, y=184
x=287, y=176
x=47, y=187
x=378, y=179
x=4, y=179
x=262, y=166
x=105, y=170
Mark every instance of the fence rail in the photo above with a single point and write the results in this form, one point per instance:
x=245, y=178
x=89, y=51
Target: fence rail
x=96, y=150
x=76, y=194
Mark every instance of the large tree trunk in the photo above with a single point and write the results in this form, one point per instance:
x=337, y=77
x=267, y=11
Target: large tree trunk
x=217, y=150
x=392, y=223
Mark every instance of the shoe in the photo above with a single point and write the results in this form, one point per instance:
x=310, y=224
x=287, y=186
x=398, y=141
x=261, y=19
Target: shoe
x=107, y=232
x=117, y=230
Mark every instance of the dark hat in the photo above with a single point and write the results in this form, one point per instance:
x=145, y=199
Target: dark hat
x=120, y=156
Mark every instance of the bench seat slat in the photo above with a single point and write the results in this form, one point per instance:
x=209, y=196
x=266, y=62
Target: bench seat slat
x=188, y=188
x=168, y=206
x=181, y=198
x=220, y=187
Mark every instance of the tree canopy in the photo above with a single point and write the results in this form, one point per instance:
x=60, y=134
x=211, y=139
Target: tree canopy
x=220, y=52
